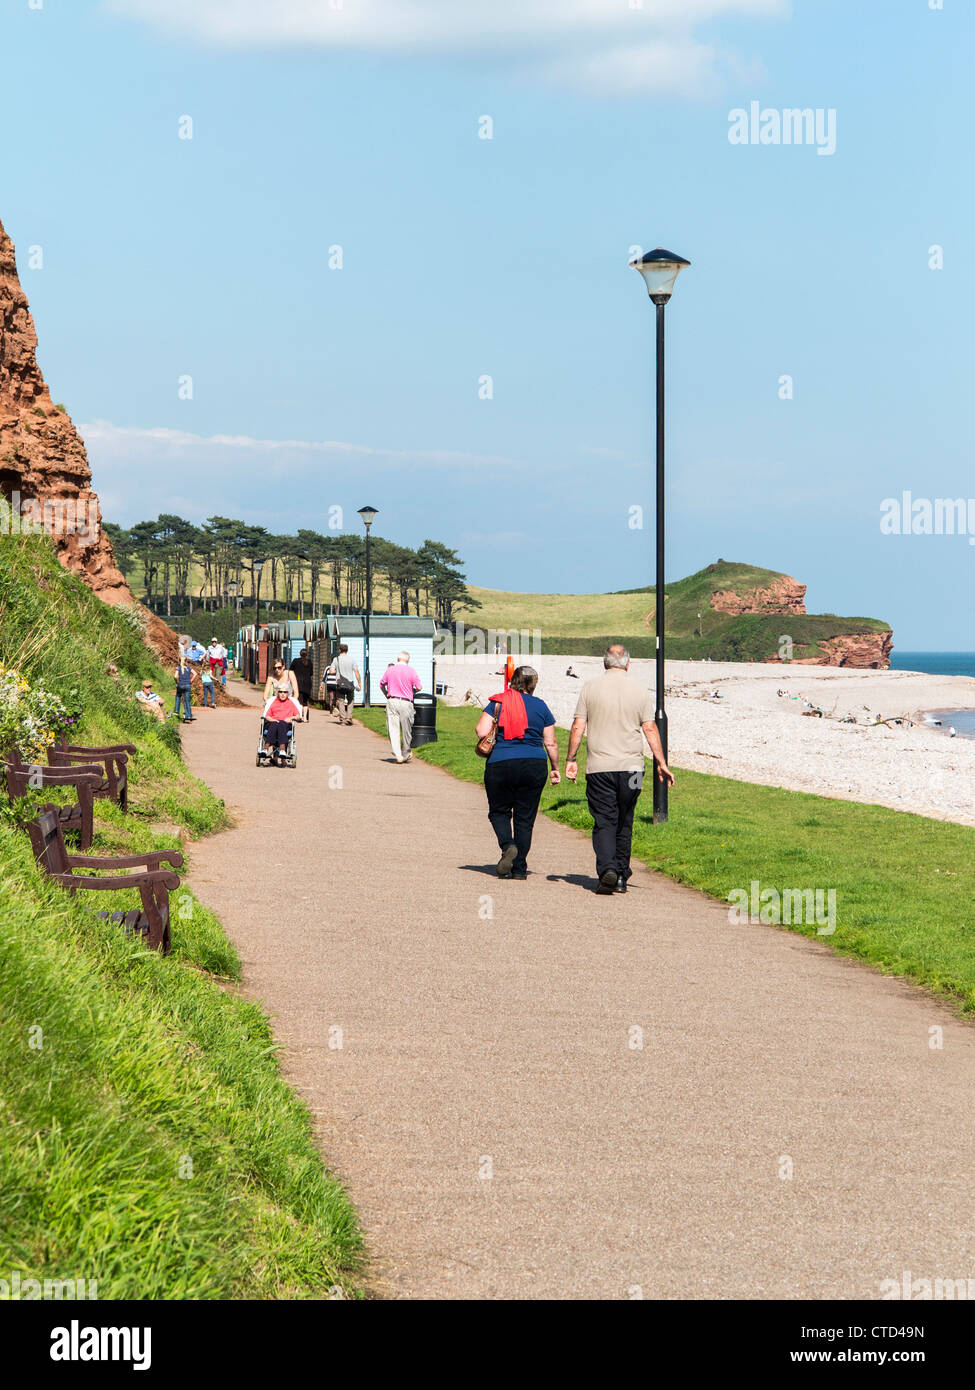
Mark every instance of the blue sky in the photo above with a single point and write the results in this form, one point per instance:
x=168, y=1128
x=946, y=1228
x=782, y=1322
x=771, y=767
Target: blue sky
x=357, y=126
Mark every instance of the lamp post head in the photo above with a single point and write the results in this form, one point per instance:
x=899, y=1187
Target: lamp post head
x=660, y=270
x=368, y=515
x=258, y=566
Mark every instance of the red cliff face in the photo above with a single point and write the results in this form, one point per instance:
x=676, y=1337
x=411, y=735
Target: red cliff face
x=865, y=650
x=44, y=472
x=45, y=479
x=785, y=595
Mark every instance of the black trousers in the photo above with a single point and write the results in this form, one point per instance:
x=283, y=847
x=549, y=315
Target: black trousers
x=612, y=798
x=514, y=789
x=277, y=733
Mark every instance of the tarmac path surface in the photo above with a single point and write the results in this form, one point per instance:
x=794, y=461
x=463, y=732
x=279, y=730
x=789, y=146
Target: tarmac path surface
x=534, y=1092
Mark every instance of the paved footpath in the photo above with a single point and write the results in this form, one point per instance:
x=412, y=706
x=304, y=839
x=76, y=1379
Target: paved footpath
x=785, y=1130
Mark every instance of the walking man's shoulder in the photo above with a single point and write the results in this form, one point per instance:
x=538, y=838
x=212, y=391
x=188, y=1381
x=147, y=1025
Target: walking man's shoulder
x=592, y=687
x=585, y=698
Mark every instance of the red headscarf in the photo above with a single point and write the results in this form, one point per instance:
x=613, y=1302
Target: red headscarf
x=512, y=715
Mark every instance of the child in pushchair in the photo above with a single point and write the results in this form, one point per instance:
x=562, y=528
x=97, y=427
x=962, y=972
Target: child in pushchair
x=277, y=741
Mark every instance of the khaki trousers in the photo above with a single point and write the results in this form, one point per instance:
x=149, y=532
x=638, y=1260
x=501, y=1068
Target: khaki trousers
x=399, y=724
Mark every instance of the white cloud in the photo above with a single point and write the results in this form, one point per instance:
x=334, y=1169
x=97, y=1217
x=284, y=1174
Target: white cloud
x=103, y=436
x=665, y=67
x=140, y=472
x=603, y=46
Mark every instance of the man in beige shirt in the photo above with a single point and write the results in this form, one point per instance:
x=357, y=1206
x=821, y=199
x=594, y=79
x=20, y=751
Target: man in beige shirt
x=617, y=712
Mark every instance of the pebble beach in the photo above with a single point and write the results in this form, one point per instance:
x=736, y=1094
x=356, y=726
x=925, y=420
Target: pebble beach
x=753, y=734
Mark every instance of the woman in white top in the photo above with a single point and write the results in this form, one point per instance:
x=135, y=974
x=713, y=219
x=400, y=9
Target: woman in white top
x=281, y=682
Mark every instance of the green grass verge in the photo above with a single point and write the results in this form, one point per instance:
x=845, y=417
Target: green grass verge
x=905, y=885
x=147, y=1139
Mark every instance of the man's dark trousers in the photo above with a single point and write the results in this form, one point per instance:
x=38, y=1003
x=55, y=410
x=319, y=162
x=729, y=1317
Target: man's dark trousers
x=514, y=788
x=612, y=798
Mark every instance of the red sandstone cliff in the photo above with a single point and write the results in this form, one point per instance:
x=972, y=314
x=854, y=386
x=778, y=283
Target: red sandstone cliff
x=44, y=472
x=864, y=650
x=43, y=465
x=785, y=595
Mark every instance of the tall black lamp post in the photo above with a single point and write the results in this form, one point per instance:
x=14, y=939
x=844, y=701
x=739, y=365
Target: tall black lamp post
x=368, y=515
x=660, y=270
x=257, y=567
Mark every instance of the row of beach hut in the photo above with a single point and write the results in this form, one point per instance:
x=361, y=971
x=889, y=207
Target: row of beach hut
x=389, y=634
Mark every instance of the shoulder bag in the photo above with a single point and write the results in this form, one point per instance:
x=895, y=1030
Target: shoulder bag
x=485, y=746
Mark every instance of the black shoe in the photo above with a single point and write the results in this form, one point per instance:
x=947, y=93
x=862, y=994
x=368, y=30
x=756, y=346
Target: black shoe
x=620, y=886
x=519, y=873
x=508, y=857
x=607, y=882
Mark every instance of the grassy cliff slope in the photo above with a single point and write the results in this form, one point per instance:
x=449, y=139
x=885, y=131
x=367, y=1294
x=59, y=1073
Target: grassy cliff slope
x=147, y=1140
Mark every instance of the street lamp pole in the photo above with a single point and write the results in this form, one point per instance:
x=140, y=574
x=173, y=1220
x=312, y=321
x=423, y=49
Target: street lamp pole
x=368, y=515
x=660, y=713
x=660, y=269
x=258, y=566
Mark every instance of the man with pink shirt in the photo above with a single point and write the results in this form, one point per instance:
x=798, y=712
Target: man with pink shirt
x=399, y=684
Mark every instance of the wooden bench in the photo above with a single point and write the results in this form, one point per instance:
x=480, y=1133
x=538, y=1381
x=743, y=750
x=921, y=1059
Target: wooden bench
x=114, y=758
x=24, y=777
x=153, y=883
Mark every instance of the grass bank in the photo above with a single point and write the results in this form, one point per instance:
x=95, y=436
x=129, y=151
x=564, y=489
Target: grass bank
x=905, y=885
x=147, y=1139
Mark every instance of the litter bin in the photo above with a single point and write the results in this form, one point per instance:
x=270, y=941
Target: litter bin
x=424, y=719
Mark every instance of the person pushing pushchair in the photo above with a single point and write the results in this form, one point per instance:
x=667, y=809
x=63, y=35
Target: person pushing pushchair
x=280, y=713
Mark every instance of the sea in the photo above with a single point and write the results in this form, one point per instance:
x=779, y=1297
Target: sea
x=942, y=664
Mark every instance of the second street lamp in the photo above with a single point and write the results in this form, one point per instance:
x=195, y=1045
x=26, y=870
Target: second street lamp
x=368, y=515
x=660, y=270
x=257, y=566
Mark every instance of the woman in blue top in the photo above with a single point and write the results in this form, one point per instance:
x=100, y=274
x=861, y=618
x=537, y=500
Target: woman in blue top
x=185, y=676
x=514, y=774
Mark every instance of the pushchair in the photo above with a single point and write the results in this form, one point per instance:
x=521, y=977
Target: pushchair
x=290, y=755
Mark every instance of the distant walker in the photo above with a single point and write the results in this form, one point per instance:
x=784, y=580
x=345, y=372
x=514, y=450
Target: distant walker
x=400, y=684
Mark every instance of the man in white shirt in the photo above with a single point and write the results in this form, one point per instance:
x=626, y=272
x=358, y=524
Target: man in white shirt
x=217, y=653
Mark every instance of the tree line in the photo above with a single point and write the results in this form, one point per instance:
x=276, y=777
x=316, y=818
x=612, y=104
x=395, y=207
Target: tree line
x=225, y=563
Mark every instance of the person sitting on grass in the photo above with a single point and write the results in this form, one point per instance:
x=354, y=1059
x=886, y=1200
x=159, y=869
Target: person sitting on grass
x=280, y=712
x=151, y=702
